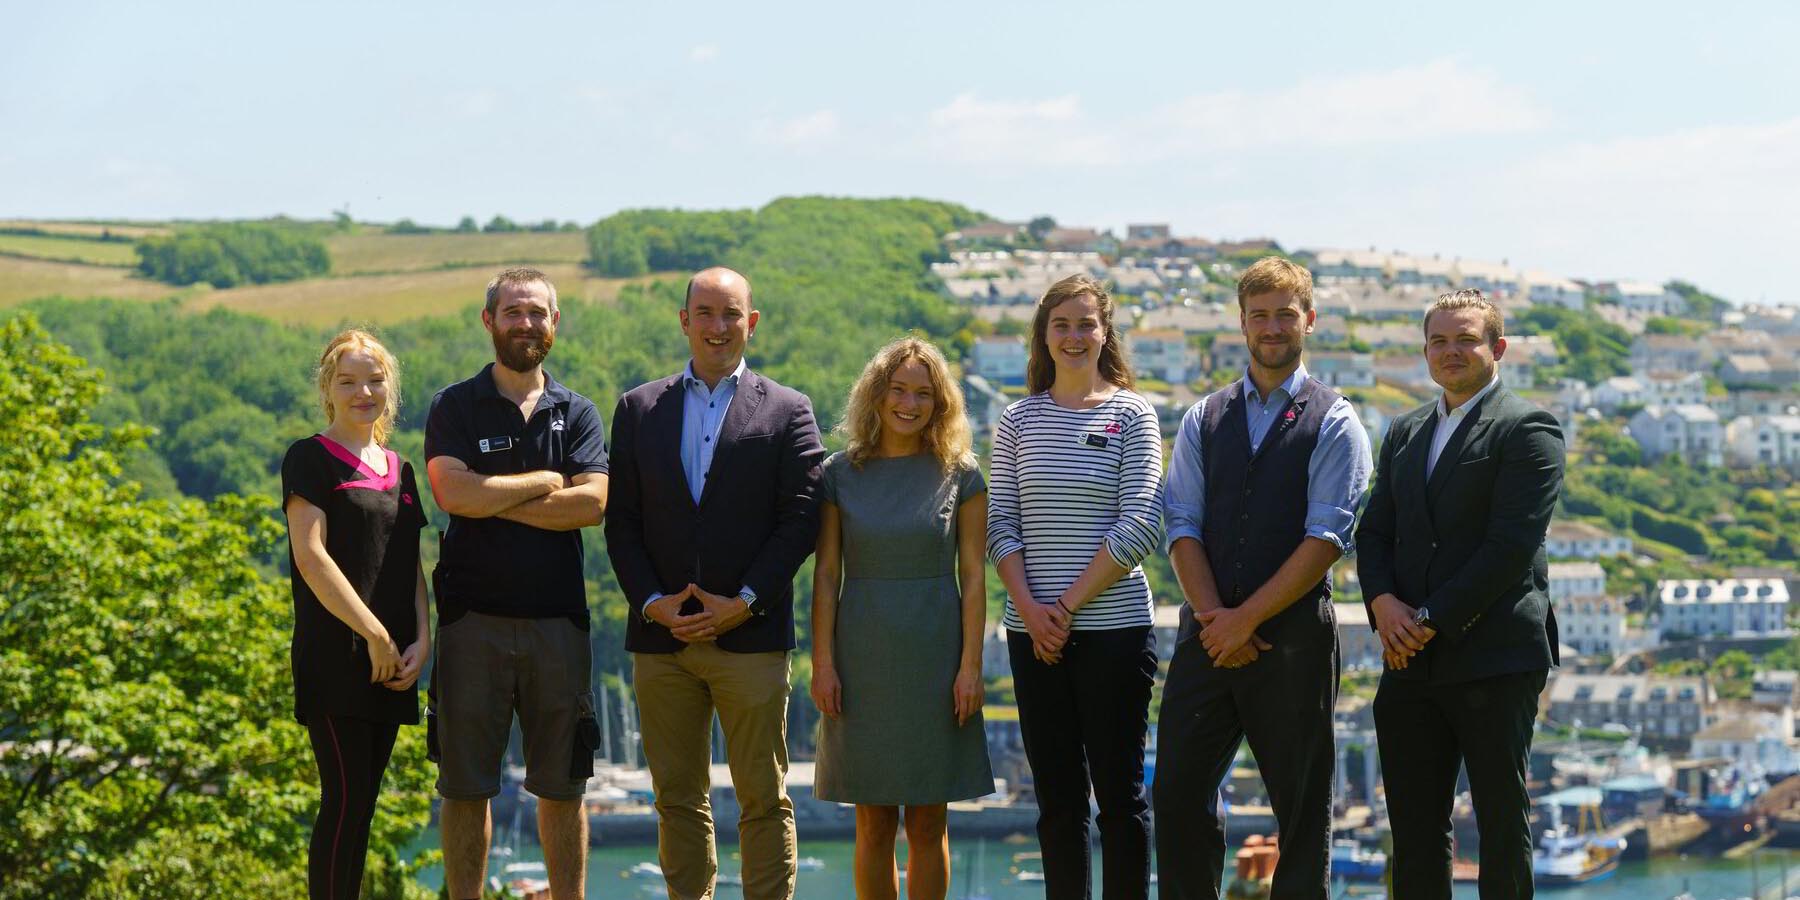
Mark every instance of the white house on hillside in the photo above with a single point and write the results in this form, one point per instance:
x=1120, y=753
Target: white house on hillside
x=1569, y=539
x=1727, y=607
x=999, y=358
x=1545, y=289
x=1689, y=431
x=1765, y=441
x=1163, y=354
x=1576, y=579
x=1648, y=297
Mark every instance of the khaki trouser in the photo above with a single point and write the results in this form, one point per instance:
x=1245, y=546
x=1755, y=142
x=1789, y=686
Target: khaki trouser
x=677, y=694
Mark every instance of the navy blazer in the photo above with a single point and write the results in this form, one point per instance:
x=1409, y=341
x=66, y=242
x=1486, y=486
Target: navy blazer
x=756, y=521
x=1468, y=544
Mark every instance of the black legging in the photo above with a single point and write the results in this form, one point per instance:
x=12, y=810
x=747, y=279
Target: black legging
x=352, y=755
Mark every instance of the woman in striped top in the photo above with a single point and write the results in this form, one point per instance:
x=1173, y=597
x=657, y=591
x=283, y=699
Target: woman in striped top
x=1074, y=505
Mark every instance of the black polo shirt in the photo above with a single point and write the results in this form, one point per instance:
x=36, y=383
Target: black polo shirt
x=493, y=565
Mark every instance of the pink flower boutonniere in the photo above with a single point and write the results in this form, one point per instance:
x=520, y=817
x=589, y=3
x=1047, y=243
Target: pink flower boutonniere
x=1290, y=417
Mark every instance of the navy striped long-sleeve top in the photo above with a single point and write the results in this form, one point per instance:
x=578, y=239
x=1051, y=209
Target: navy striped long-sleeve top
x=1066, y=482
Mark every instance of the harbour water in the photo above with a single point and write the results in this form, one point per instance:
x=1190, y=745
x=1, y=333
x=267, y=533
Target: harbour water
x=983, y=867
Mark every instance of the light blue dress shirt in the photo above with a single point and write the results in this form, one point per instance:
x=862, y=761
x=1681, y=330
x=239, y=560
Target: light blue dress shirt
x=1337, y=472
x=702, y=415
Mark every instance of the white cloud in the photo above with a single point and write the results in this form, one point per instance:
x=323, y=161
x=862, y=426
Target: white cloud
x=472, y=104
x=1435, y=100
x=1430, y=101
x=703, y=53
x=1716, y=204
x=808, y=131
x=1053, y=131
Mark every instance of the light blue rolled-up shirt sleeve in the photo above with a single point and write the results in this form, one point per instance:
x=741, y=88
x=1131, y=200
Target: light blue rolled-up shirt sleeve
x=1184, y=490
x=1336, y=476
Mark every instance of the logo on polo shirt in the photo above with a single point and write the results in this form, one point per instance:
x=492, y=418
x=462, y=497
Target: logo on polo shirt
x=556, y=424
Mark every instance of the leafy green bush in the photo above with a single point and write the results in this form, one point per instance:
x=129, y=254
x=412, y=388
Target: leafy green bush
x=146, y=733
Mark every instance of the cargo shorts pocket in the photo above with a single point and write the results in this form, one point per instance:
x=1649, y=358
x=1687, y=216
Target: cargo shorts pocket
x=586, y=738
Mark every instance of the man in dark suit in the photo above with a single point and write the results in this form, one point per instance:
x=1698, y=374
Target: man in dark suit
x=715, y=507
x=1454, y=572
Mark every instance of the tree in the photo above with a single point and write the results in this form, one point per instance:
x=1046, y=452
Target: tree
x=1040, y=228
x=231, y=254
x=466, y=225
x=146, y=742
x=500, y=223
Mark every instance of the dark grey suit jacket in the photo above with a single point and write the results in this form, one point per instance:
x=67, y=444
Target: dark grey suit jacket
x=1469, y=543
x=756, y=522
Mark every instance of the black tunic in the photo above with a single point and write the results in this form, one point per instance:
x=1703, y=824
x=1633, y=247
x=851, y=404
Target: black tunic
x=372, y=526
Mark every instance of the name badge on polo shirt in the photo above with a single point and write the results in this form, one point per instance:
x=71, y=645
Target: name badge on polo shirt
x=1094, y=440
x=495, y=444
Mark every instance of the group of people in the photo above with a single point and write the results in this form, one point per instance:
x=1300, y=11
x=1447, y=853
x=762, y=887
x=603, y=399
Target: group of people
x=714, y=487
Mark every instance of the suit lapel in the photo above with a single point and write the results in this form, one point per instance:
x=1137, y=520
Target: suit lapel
x=1409, y=465
x=749, y=395
x=1465, y=436
x=664, y=423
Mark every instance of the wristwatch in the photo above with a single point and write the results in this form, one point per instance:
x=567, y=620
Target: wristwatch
x=1423, y=617
x=749, y=597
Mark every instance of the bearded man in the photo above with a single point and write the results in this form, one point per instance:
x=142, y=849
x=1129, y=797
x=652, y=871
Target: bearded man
x=519, y=462
x=1261, y=499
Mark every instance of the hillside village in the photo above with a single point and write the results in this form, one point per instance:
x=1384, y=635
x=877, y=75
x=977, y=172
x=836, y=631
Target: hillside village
x=1673, y=555
x=1706, y=383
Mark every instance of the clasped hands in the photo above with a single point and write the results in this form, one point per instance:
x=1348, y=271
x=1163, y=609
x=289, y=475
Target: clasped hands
x=1229, y=636
x=717, y=614
x=1401, y=637
x=393, y=668
x=1048, y=625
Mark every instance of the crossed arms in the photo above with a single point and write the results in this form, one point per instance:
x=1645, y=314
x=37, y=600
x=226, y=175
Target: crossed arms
x=541, y=499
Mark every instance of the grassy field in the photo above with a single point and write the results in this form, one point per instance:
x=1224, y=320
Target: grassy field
x=374, y=299
x=27, y=279
x=356, y=254
x=379, y=299
x=133, y=230
x=68, y=249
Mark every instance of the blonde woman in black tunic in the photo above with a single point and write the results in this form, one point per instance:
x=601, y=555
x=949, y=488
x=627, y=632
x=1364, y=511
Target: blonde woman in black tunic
x=360, y=620
x=899, y=607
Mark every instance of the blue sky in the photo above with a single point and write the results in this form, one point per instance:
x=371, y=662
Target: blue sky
x=1600, y=140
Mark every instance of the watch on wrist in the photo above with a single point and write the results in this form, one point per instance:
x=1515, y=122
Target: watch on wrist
x=749, y=597
x=1423, y=617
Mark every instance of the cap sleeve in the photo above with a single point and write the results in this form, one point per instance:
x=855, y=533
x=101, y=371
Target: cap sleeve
x=304, y=473
x=833, y=468
x=969, y=483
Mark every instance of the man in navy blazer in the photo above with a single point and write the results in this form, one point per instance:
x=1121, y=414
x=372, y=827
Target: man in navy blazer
x=1453, y=569
x=715, y=505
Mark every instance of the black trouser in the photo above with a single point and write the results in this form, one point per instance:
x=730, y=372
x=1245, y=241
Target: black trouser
x=1426, y=732
x=1083, y=721
x=352, y=755
x=1283, y=703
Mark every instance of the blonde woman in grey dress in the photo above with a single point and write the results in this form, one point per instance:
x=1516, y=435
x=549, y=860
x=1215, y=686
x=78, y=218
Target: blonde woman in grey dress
x=899, y=608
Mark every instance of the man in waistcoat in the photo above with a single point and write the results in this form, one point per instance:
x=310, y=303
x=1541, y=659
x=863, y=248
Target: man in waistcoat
x=1453, y=570
x=1261, y=499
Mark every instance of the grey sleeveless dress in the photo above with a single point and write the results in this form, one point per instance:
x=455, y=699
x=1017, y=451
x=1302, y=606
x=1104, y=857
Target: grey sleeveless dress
x=899, y=639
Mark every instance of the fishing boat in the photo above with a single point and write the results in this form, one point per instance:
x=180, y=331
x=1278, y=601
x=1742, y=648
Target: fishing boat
x=1575, y=854
x=1352, y=862
x=644, y=870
